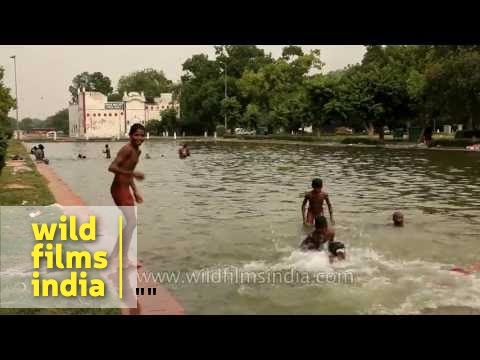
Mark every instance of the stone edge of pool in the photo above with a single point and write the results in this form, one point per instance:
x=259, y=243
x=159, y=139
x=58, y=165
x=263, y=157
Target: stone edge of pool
x=163, y=303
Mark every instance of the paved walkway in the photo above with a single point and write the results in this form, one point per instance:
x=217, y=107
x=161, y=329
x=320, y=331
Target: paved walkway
x=163, y=303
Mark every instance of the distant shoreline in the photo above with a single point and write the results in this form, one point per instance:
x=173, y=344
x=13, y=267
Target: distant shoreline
x=333, y=143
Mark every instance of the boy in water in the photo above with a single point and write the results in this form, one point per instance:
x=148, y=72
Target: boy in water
x=336, y=251
x=107, y=152
x=397, y=219
x=123, y=166
x=319, y=236
x=315, y=200
x=469, y=269
x=184, y=151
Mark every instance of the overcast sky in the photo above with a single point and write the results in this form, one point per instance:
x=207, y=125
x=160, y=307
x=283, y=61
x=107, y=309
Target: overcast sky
x=44, y=73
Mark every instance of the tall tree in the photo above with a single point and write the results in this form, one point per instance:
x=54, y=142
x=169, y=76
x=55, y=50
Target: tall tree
x=91, y=82
x=6, y=104
x=58, y=121
x=455, y=85
x=152, y=82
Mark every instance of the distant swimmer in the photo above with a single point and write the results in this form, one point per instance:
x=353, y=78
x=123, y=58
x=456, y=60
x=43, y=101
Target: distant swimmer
x=147, y=156
x=80, y=156
x=469, y=269
x=107, y=152
x=315, y=200
x=321, y=235
x=397, y=219
x=184, y=151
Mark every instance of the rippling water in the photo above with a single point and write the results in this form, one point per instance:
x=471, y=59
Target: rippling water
x=237, y=205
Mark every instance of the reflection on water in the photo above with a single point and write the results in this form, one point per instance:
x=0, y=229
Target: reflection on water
x=238, y=204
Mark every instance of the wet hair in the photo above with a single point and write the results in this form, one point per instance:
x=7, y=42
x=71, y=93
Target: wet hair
x=395, y=215
x=136, y=127
x=317, y=183
x=320, y=222
x=336, y=247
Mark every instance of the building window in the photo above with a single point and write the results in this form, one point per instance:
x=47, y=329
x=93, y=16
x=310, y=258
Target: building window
x=163, y=107
x=121, y=113
x=115, y=114
x=94, y=114
x=104, y=114
x=151, y=107
x=99, y=114
x=88, y=114
x=109, y=114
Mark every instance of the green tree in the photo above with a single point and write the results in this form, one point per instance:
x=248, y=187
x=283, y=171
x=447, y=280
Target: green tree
x=58, y=121
x=170, y=120
x=232, y=108
x=202, y=93
x=291, y=50
x=152, y=82
x=6, y=104
x=91, y=82
x=454, y=85
x=154, y=127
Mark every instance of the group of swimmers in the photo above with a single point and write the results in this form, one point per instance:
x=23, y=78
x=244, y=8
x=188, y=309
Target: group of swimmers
x=183, y=152
x=123, y=166
x=323, y=233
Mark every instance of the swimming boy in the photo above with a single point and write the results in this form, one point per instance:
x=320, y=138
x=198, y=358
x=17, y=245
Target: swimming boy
x=397, y=219
x=319, y=236
x=184, y=151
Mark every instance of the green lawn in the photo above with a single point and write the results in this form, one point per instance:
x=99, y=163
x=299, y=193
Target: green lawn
x=38, y=194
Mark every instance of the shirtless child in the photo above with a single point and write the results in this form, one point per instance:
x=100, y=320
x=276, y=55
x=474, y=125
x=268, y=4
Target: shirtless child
x=123, y=166
x=319, y=236
x=315, y=200
x=184, y=151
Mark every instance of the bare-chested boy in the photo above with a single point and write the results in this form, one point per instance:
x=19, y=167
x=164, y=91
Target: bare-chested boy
x=315, y=199
x=321, y=235
x=123, y=166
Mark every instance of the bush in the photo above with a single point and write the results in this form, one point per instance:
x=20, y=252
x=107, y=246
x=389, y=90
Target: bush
x=467, y=134
x=220, y=129
x=3, y=152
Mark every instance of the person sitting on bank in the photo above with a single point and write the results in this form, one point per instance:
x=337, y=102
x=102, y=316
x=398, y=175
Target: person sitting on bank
x=107, y=152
